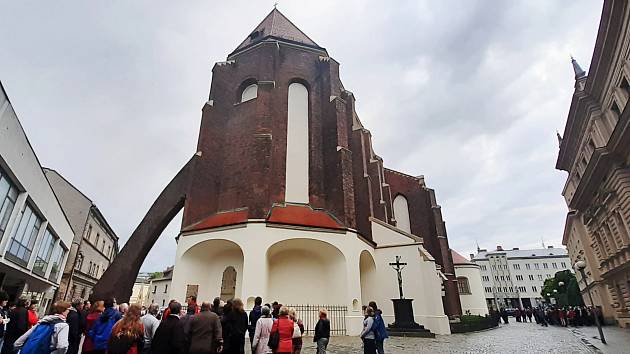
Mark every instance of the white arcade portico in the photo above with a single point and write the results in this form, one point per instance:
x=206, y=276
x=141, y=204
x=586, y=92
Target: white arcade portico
x=301, y=265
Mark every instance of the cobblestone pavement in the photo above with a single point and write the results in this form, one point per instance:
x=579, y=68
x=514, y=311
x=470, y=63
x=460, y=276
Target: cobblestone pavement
x=618, y=339
x=512, y=338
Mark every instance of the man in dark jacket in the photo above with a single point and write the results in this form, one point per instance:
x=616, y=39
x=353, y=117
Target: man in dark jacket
x=74, y=326
x=18, y=325
x=254, y=315
x=170, y=337
x=205, y=332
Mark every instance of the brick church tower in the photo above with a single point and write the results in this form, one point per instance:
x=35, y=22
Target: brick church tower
x=286, y=199
x=281, y=143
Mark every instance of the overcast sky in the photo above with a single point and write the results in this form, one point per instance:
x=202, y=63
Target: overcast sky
x=467, y=93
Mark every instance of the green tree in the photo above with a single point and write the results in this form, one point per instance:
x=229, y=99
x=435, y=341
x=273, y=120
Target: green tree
x=568, y=294
x=155, y=275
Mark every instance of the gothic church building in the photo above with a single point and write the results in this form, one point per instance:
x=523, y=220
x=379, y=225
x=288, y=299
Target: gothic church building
x=290, y=202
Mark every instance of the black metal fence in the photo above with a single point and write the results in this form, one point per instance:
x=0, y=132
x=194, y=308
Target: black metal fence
x=309, y=314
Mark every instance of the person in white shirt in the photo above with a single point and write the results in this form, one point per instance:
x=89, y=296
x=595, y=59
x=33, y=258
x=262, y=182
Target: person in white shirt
x=151, y=324
x=59, y=340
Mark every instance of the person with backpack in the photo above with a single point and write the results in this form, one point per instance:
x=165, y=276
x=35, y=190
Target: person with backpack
x=380, y=331
x=102, y=328
x=90, y=319
x=367, y=334
x=17, y=326
x=49, y=335
x=127, y=334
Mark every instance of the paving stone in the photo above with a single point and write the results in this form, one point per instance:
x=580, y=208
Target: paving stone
x=511, y=338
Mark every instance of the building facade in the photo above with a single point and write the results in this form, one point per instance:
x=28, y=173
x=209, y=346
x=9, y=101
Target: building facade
x=471, y=292
x=595, y=152
x=141, y=290
x=285, y=182
x=35, y=235
x=160, y=288
x=514, y=278
x=94, y=246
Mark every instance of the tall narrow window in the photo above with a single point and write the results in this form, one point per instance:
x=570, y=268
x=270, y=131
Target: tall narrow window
x=463, y=286
x=24, y=236
x=57, y=258
x=8, y=196
x=401, y=213
x=296, y=184
x=43, y=254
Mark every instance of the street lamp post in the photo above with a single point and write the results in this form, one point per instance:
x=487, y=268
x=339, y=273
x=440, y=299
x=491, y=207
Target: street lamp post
x=579, y=266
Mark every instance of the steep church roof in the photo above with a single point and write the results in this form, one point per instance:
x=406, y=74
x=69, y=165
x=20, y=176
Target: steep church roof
x=459, y=259
x=276, y=26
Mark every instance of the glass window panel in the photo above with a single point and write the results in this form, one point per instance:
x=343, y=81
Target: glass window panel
x=44, y=252
x=55, y=265
x=24, y=237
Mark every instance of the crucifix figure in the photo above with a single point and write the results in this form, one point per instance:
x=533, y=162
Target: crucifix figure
x=398, y=266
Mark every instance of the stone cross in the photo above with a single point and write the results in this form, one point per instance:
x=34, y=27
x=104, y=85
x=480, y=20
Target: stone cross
x=398, y=266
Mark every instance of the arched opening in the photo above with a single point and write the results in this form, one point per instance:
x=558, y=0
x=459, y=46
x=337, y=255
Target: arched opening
x=216, y=266
x=250, y=92
x=228, y=284
x=296, y=183
x=367, y=274
x=401, y=213
x=306, y=271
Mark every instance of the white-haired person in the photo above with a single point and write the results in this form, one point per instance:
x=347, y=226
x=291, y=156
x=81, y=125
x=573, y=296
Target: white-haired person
x=262, y=332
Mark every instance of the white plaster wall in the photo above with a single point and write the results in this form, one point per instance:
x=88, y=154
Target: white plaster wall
x=387, y=235
x=315, y=266
x=22, y=163
x=204, y=265
x=299, y=264
x=160, y=297
x=296, y=185
x=475, y=302
x=401, y=213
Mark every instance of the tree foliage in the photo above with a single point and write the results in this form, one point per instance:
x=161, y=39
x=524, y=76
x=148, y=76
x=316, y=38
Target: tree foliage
x=566, y=295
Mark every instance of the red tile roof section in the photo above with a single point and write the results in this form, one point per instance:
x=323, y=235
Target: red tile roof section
x=302, y=215
x=459, y=259
x=220, y=219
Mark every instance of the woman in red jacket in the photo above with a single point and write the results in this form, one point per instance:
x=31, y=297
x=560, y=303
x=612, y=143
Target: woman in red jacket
x=95, y=312
x=284, y=326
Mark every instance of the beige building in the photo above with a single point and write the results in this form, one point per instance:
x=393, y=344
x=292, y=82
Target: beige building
x=94, y=245
x=141, y=290
x=595, y=151
x=160, y=287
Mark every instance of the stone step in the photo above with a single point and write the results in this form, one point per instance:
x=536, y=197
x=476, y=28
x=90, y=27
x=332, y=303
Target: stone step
x=410, y=332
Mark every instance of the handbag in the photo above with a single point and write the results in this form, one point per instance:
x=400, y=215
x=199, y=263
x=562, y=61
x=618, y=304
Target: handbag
x=296, y=330
x=274, y=340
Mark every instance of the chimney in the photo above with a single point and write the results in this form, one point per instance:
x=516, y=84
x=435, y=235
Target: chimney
x=515, y=249
x=499, y=248
x=549, y=246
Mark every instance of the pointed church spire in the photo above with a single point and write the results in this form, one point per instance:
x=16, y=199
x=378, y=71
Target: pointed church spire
x=577, y=69
x=276, y=26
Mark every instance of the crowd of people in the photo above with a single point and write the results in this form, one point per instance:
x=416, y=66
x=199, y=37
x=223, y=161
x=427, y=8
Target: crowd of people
x=105, y=327
x=555, y=315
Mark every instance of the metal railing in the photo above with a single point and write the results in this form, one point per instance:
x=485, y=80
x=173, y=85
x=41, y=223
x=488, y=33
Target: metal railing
x=309, y=314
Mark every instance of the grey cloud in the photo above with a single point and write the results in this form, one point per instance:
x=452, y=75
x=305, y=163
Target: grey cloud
x=467, y=93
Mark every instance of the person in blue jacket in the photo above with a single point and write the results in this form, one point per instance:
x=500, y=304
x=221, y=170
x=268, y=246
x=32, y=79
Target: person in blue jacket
x=380, y=331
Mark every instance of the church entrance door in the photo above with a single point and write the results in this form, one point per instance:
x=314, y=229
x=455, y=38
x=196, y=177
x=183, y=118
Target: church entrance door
x=228, y=284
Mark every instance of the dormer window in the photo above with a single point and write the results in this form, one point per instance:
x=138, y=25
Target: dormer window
x=249, y=93
x=255, y=35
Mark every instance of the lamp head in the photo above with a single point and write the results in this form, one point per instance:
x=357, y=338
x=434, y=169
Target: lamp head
x=555, y=290
x=561, y=283
x=579, y=265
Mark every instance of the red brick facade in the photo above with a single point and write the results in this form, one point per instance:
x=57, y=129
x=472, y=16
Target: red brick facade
x=241, y=169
